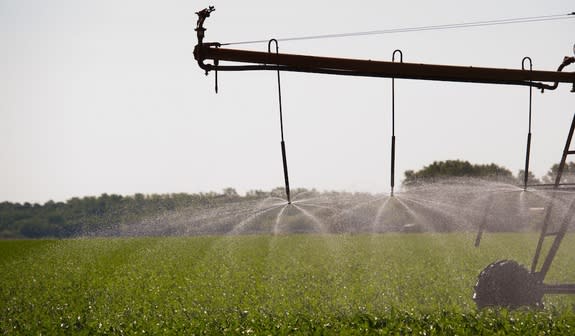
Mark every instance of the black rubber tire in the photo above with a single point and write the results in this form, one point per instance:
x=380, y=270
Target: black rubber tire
x=505, y=283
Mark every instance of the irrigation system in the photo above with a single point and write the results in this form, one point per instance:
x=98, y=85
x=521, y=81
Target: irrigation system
x=502, y=283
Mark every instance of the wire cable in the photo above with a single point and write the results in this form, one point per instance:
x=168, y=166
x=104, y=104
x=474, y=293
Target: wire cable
x=421, y=28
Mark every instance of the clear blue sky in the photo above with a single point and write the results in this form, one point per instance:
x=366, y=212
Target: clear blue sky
x=105, y=96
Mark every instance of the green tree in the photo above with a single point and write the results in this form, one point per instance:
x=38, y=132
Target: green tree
x=568, y=175
x=278, y=192
x=531, y=179
x=457, y=168
x=231, y=193
x=257, y=194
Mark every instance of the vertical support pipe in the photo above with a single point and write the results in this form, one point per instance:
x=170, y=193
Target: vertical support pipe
x=526, y=177
x=286, y=176
x=393, y=121
x=284, y=156
x=392, y=163
x=528, y=150
x=392, y=178
x=216, y=62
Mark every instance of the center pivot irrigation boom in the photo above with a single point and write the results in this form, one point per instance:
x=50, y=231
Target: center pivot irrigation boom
x=502, y=283
x=257, y=60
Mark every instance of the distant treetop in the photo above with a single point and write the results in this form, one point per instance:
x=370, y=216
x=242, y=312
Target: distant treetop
x=457, y=168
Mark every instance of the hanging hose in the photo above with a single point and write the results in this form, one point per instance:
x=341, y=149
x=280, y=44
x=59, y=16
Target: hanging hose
x=393, y=122
x=284, y=157
x=528, y=150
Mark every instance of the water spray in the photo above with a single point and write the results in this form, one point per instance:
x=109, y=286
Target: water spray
x=393, y=122
x=284, y=157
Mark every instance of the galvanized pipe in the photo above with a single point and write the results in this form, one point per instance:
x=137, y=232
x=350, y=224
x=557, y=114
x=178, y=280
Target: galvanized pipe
x=368, y=68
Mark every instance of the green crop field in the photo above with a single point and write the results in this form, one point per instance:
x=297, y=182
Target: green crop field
x=401, y=284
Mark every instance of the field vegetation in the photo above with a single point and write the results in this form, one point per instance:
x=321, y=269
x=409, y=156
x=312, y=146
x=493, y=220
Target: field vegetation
x=418, y=283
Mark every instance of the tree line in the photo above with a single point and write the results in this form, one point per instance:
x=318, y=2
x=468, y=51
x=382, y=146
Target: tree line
x=100, y=214
x=457, y=168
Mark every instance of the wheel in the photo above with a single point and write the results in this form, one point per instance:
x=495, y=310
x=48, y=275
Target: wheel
x=505, y=283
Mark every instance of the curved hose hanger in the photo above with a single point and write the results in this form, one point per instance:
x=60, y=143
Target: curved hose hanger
x=284, y=157
x=393, y=121
x=528, y=150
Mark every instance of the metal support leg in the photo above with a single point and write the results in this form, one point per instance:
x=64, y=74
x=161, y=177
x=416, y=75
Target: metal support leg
x=557, y=241
x=566, y=152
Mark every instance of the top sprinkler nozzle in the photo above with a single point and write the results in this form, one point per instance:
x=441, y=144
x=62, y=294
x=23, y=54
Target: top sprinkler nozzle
x=202, y=15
